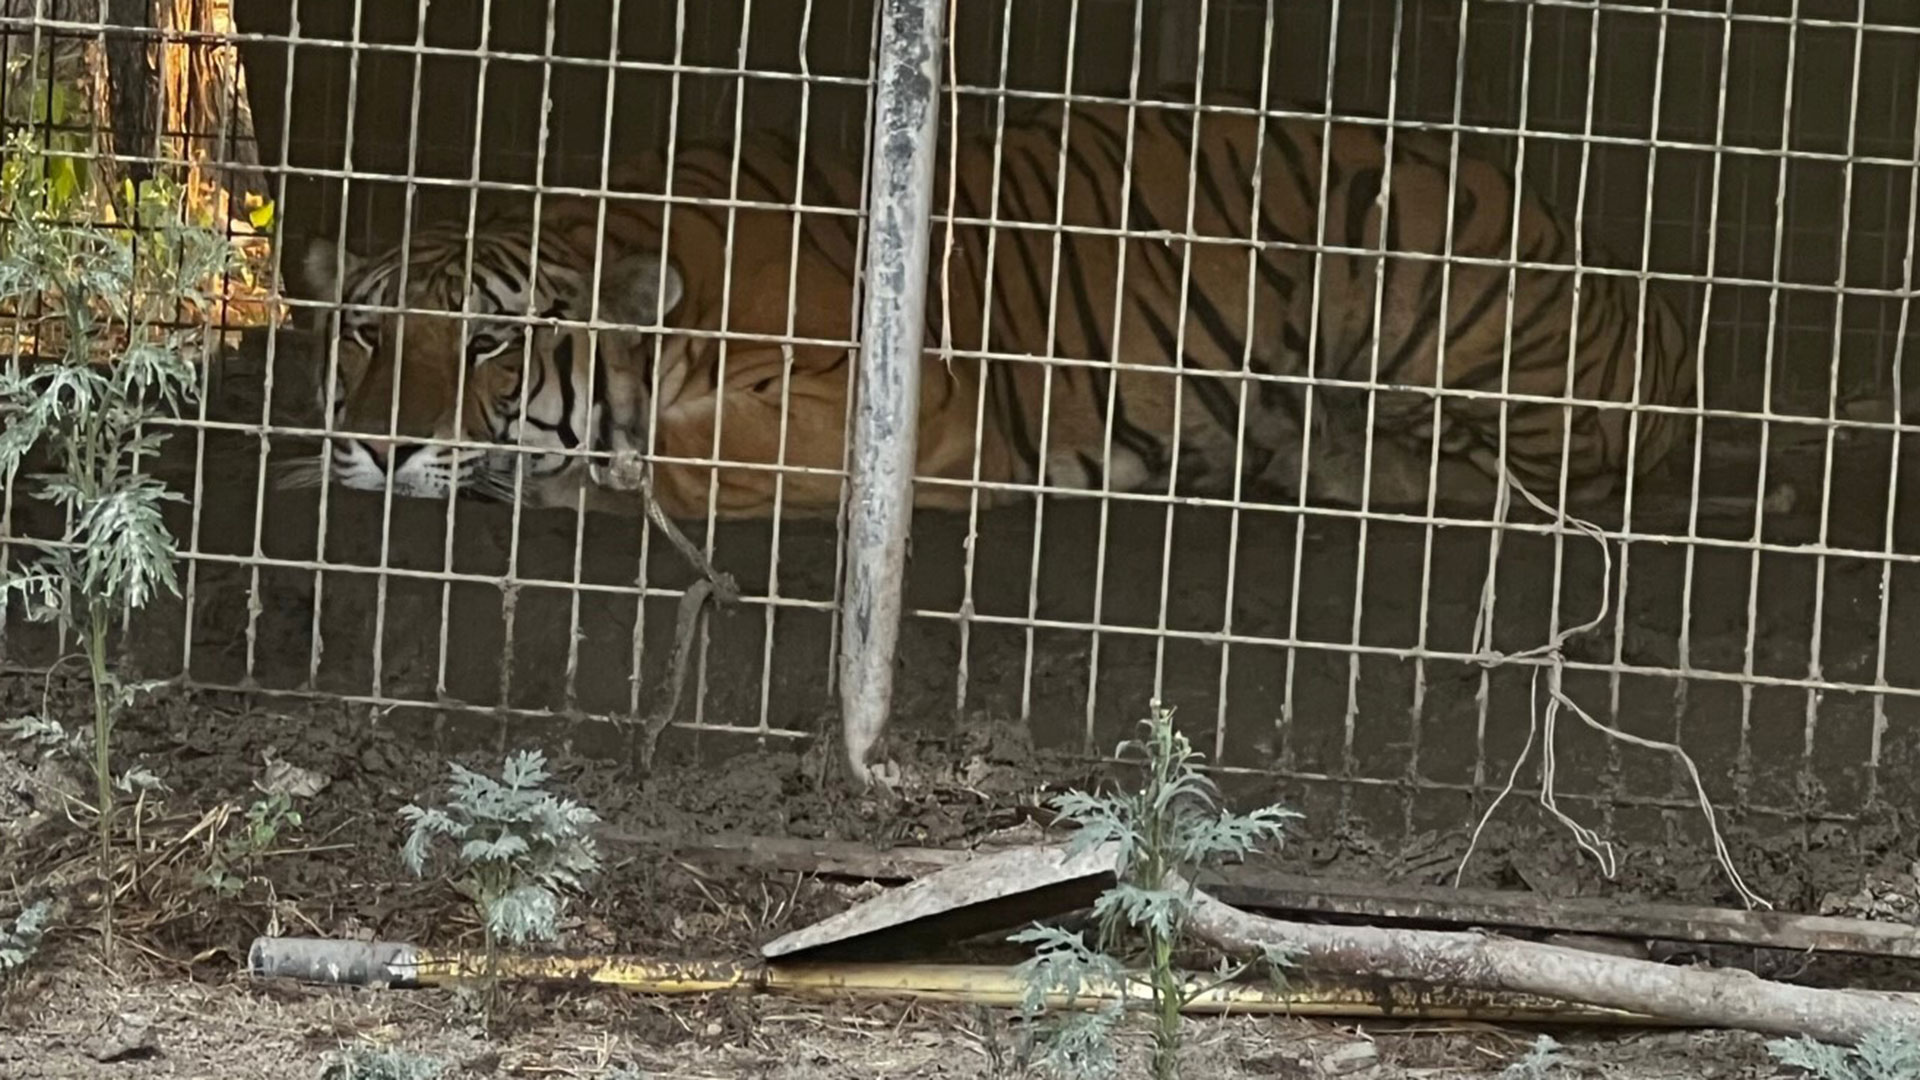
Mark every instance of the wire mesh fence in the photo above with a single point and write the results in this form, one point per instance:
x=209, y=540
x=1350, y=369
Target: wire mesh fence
x=1134, y=232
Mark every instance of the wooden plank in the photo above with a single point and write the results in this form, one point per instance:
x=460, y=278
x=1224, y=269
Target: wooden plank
x=1258, y=890
x=1006, y=888
x=828, y=858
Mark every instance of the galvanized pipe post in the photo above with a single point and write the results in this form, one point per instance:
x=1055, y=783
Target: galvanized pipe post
x=906, y=119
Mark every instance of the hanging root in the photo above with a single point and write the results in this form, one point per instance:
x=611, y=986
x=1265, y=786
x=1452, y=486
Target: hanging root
x=714, y=586
x=1557, y=698
x=686, y=621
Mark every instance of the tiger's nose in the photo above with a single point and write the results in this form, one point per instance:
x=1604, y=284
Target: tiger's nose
x=390, y=456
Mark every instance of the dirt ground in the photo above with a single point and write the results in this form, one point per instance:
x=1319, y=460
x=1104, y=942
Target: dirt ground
x=294, y=644
x=339, y=876
x=239, y=1031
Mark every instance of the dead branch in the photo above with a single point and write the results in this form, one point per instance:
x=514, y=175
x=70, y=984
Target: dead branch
x=1640, y=920
x=1708, y=998
x=1383, y=902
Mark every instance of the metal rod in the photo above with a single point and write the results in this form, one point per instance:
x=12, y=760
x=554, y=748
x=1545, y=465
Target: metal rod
x=885, y=421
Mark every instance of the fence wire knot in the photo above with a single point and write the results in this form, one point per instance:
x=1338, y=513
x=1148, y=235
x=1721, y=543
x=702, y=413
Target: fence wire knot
x=625, y=470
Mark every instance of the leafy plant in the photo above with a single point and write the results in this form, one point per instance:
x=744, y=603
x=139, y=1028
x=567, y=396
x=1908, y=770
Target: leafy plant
x=104, y=355
x=50, y=740
x=235, y=861
x=1167, y=828
x=47, y=90
x=21, y=938
x=1540, y=1060
x=369, y=1063
x=519, y=848
x=1887, y=1053
x=1077, y=1043
x=47, y=738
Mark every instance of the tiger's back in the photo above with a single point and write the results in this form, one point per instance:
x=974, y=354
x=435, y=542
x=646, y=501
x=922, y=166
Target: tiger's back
x=1216, y=277
x=1558, y=367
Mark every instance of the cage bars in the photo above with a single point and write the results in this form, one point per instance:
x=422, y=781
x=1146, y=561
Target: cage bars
x=1815, y=662
x=1257, y=193
x=276, y=293
x=1619, y=587
x=403, y=300
x=963, y=617
x=330, y=378
x=1415, y=735
x=1881, y=721
x=1743, y=768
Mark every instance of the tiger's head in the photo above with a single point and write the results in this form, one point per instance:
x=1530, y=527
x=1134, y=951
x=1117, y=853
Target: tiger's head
x=408, y=386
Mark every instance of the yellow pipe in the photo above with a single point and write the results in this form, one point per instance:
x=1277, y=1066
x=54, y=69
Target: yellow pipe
x=363, y=963
x=1000, y=986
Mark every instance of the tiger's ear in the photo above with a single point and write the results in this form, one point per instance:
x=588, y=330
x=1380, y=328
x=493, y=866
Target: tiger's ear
x=323, y=266
x=641, y=289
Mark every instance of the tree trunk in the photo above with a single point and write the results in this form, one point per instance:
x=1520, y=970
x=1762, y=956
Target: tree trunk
x=130, y=84
x=1730, y=999
x=205, y=91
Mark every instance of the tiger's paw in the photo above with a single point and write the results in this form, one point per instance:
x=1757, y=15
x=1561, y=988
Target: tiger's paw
x=625, y=471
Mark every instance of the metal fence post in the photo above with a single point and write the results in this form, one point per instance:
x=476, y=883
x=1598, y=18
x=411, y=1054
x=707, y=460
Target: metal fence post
x=885, y=426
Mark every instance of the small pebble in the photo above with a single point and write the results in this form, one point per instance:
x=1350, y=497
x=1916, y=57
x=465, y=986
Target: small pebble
x=129, y=1037
x=1349, y=1059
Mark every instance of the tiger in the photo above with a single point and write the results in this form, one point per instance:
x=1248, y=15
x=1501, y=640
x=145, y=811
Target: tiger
x=1134, y=299
x=525, y=397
